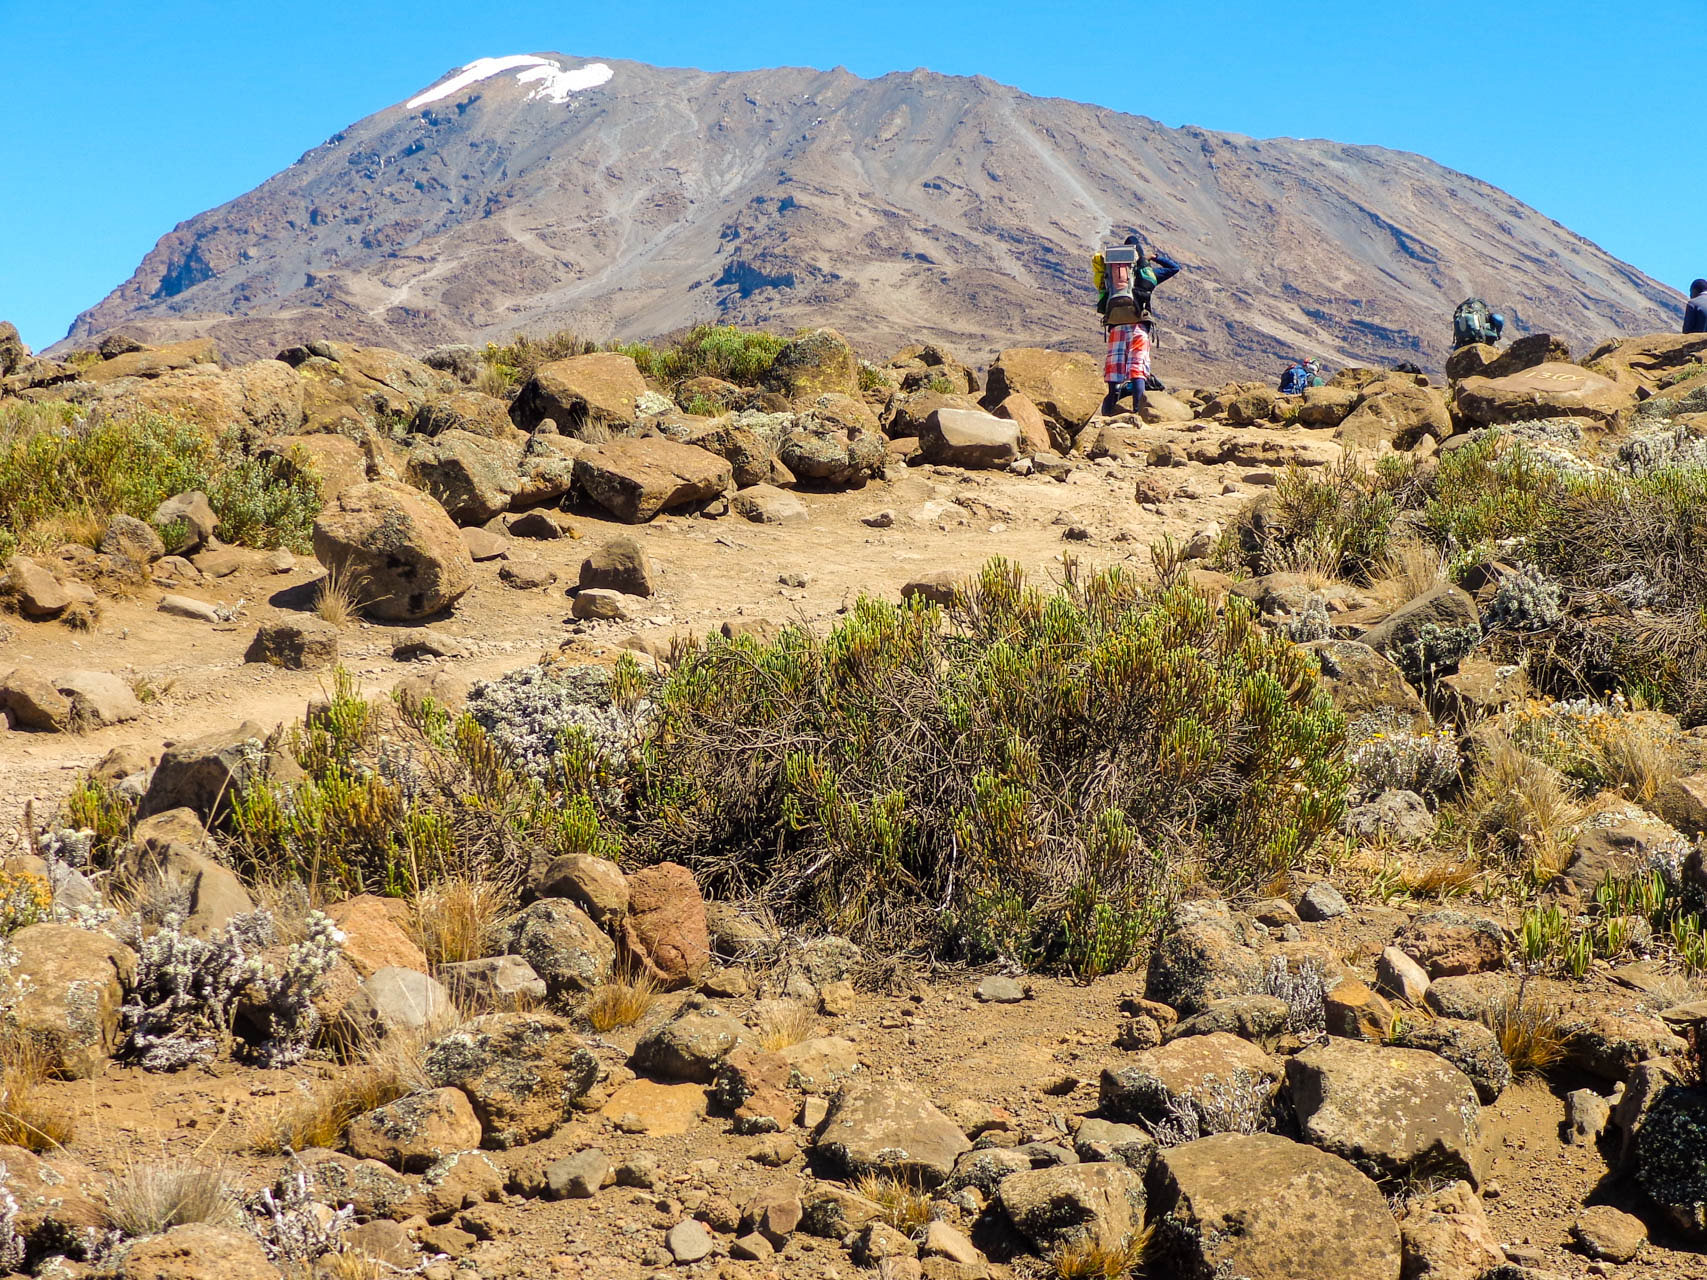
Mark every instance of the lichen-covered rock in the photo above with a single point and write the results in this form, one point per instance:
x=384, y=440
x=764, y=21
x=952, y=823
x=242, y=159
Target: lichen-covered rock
x=816, y=362
x=1470, y=1046
x=1202, y=957
x=197, y=1251
x=521, y=1072
x=590, y=397
x=1265, y=1207
x=1205, y=1083
x=62, y=987
x=57, y=1197
x=1054, y=1207
x=1395, y=1113
x=889, y=1126
x=562, y=943
x=399, y=545
x=691, y=1046
x=472, y=477
x=412, y=1133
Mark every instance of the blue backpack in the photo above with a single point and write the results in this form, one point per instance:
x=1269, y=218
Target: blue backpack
x=1294, y=380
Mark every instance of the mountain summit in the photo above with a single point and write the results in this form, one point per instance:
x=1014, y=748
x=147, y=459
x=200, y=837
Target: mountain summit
x=539, y=191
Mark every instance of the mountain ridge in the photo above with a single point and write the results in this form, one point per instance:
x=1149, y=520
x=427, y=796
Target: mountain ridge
x=910, y=206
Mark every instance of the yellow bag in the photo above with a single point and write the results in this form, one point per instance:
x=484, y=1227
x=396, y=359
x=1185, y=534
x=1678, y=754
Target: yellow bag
x=1099, y=271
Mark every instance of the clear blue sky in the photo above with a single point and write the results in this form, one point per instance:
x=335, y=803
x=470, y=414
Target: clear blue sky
x=124, y=119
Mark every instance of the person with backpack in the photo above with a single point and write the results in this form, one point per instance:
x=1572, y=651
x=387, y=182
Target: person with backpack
x=1473, y=322
x=1314, y=369
x=1695, y=314
x=1125, y=277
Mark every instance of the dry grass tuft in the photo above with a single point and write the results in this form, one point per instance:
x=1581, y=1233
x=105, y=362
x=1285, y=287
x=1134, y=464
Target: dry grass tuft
x=785, y=1022
x=340, y=596
x=1530, y=1034
x=620, y=1001
x=1521, y=810
x=1407, y=571
x=454, y=920
x=150, y=1198
x=353, y=1265
x=1088, y=1258
x=28, y=1117
x=904, y=1207
x=382, y=1070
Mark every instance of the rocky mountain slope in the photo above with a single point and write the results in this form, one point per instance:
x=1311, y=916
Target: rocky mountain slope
x=625, y=200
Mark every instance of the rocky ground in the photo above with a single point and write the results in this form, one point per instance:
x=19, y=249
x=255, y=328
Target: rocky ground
x=1308, y=1081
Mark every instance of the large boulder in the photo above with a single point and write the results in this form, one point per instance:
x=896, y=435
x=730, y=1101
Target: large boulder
x=13, y=351
x=197, y=1251
x=1647, y=361
x=203, y=773
x=1404, y=634
x=1396, y=1113
x=1479, y=360
x=521, y=1071
x=353, y=390
x=1545, y=391
x=173, y=847
x=151, y=362
x=831, y=455
x=816, y=362
x=635, y=479
x=1056, y=1206
x=98, y=698
x=62, y=987
x=1326, y=406
x=55, y=1196
x=399, y=545
x=1445, y=1236
x=889, y=1126
x=691, y=1046
x=1202, y=957
x=969, y=438
x=469, y=411
x=338, y=462
x=1207, y=1083
x=563, y=945
x=1398, y=419
x=472, y=477
x=416, y=1131
x=1362, y=682
x=1034, y=433
x=1267, y=1208
x=34, y=589
x=1448, y=944
x=1065, y=385
x=589, y=397
x=664, y=932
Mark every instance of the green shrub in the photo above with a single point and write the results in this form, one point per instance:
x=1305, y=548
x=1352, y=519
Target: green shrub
x=509, y=364
x=1018, y=777
x=740, y=356
x=56, y=469
x=400, y=796
x=1491, y=490
x=1339, y=520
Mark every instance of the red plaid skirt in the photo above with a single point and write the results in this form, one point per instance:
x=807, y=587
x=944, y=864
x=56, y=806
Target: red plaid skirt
x=1128, y=356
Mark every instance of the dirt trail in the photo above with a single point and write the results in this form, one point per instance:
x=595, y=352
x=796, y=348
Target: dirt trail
x=194, y=679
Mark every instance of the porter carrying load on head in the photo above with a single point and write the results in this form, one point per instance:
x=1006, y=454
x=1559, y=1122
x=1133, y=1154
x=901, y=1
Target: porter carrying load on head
x=1125, y=277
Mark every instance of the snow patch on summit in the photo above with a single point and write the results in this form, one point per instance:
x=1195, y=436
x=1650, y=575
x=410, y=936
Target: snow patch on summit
x=555, y=82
